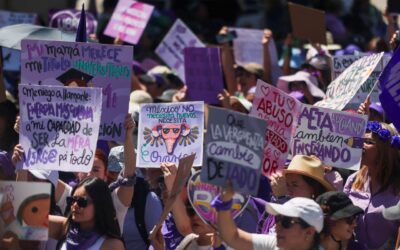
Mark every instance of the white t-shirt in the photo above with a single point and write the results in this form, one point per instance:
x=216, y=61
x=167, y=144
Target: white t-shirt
x=266, y=242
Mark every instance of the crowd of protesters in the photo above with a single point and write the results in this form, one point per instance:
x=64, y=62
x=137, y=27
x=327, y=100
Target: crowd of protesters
x=307, y=206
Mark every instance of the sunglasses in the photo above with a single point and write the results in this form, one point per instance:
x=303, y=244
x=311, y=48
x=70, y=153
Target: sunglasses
x=350, y=220
x=81, y=201
x=288, y=222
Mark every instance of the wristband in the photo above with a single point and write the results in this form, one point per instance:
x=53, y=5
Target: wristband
x=123, y=182
x=220, y=205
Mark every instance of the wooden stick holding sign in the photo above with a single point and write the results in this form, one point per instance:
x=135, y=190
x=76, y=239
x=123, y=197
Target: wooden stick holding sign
x=184, y=168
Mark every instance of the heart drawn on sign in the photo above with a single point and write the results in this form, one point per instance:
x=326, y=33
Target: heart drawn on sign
x=201, y=195
x=276, y=154
x=290, y=103
x=265, y=90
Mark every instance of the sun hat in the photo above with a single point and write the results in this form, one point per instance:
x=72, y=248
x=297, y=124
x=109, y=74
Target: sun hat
x=138, y=97
x=309, y=166
x=310, y=80
x=299, y=207
x=166, y=96
x=253, y=68
x=50, y=175
x=337, y=205
x=392, y=213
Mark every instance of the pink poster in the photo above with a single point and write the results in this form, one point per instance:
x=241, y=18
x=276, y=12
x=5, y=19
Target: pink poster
x=129, y=20
x=280, y=111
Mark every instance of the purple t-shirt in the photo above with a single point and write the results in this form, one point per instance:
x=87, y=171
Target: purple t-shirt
x=372, y=229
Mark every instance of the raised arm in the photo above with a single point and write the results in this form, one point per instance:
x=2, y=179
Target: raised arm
x=125, y=193
x=57, y=226
x=227, y=228
x=228, y=60
x=266, y=56
x=287, y=54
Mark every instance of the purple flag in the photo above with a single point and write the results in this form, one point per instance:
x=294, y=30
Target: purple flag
x=81, y=32
x=203, y=74
x=390, y=85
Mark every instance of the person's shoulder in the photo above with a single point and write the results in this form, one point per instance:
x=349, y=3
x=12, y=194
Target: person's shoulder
x=112, y=243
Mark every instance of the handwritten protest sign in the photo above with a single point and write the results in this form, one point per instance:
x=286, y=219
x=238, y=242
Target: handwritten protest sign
x=171, y=49
x=25, y=207
x=129, y=20
x=84, y=65
x=183, y=173
x=308, y=23
x=343, y=89
x=203, y=74
x=389, y=82
x=68, y=20
x=340, y=63
x=248, y=48
x=168, y=132
x=234, y=150
x=281, y=112
x=11, y=57
x=201, y=195
x=59, y=127
x=335, y=137
x=370, y=87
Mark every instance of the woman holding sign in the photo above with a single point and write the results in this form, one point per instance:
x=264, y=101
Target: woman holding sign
x=299, y=222
x=376, y=185
x=92, y=222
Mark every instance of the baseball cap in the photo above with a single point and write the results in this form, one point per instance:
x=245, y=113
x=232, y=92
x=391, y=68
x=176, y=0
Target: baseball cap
x=300, y=207
x=50, y=175
x=337, y=205
x=392, y=213
x=116, y=159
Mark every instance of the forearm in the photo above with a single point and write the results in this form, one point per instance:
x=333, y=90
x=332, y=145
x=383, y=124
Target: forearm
x=228, y=61
x=267, y=65
x=230, y=234
x=181, y=218
x=129, y=156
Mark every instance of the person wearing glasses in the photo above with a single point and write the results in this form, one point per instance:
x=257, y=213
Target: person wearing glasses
x=298, y=224
x=376, y=186
x=340, y=220
x=91, y=223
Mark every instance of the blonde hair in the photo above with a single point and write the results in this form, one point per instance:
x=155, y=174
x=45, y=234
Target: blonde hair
x=388, y=161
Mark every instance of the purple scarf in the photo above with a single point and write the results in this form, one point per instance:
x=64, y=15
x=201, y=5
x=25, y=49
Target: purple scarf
x=78, y=239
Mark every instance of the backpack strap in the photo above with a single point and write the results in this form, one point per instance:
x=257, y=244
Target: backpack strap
x=139, y=204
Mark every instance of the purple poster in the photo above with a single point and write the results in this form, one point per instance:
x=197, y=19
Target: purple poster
x=129, y=20
x=203, y=74
x=281, y=112
x=68, y=20
x=390, y=85
x=169, y=132
x=59, y=127
x=335, y=137
x=85, y=65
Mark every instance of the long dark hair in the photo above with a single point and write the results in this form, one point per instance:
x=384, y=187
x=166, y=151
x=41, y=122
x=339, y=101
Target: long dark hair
x=316, y=186
x=106, y=222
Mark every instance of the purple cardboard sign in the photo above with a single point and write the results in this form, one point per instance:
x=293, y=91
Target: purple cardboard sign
x=281, y=112
x=335, y=137
x=86, y=65
x=59, y=127
x=171, y=48
x=203, y=74
x=129, y=20
x=68, y=20
x=390, y=86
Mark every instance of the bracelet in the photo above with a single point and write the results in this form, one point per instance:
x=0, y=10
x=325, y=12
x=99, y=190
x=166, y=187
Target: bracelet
x=123, y=182
x=220, y=205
